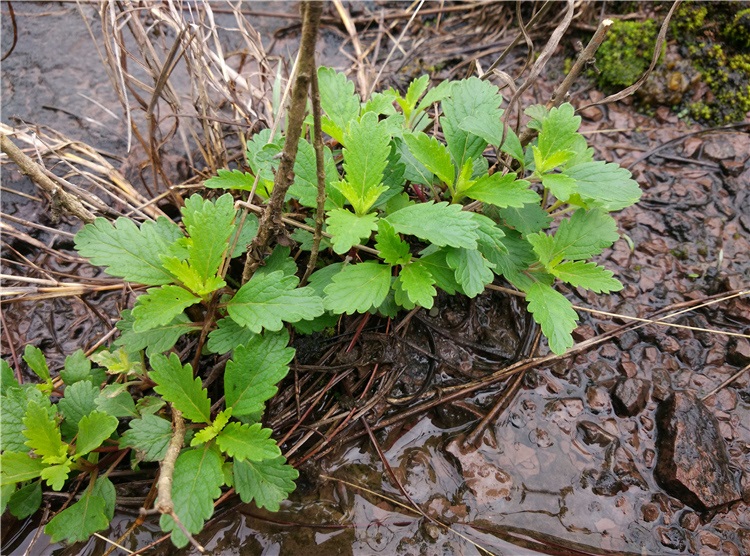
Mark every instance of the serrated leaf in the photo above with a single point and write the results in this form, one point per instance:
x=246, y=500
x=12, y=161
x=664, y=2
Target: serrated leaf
x=78, y=367
x=26, y=500
x=554, y=313
x=414, y=92
x=417, y=282
x=149, y=435
x=489, y=129
x=470, y=100
x=560, y=185
x=160, y=306
x=381, y=103
x=366, y=151
x=18, y=467
x=227, y=336
x=605, y=185
x=79, y=400
x=149, y=405
x=432, y=154
x=35, y=360
x=393, y=250
x=209, y=433
x=528, y=219
x=585, y=234
x=502, y=191
x=436, y=94
x=248, y=442
x=587, y=275
x=267, y=301
x=439, y=223
x=156, y=340
x=544, y=247
x=246, y=234
x=512, y=146
x=115, y=400
x=349, y=229
x=471, y=270
x=262, y=157
x=197, y=481
x=255, y=369
x=444, y=275
x=358, y=288
x=231, y=179
x=79, y=521
x=323, y=276
x=43, y=434
x=553, y=160
x=337, y=98
x=7, y=377
x=127, y=251
x=56, y=475
x=175, y=383
x=558, y=134
x=12, y=410
x=93, y=430
x=104, y=489
x=117, y=361
x=266, y=483
x=6, y=491
x=490, y=239
x=414, y=170
x=305, y=186
x=279, y=259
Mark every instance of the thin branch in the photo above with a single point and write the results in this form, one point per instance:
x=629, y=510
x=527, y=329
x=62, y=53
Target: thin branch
x=36, y=173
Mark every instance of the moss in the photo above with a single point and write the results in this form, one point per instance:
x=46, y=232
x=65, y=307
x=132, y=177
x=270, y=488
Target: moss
x=689, y=19
x=738, y=31
x=728, y=77
x=626, y=53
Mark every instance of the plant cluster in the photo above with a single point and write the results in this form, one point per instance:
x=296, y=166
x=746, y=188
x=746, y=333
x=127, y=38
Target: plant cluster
x=626, y=53
x=408, y=211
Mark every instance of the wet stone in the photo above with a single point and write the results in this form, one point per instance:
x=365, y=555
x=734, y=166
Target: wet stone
x=662, y=384
x=629, y=396
x=690, y=521
x=692, y=463
x=671, y=537
x=597, y=398
x=650, y=512
x=739, y=352
x=718, y=148
x=709, y=539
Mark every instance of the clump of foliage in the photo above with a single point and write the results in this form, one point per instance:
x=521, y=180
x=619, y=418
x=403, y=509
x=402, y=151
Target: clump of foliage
x=399, y=191
x=626, y=53
x=738, y=31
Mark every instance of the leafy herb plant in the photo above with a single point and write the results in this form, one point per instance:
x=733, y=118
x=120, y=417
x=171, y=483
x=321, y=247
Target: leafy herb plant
x=432, y=206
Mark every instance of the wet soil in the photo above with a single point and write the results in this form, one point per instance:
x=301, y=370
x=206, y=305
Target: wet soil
x=569, y=467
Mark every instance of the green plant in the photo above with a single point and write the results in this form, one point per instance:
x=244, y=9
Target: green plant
x=434, y=213
x=626, y=53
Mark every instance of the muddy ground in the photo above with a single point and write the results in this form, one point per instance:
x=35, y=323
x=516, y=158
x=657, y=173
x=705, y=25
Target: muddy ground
x=578, y=462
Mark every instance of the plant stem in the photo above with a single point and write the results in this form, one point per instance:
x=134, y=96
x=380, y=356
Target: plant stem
x=270, y=224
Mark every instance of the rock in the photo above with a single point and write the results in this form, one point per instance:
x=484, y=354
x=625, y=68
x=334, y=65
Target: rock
x=629, y=396
x=597, y=398
x=690, y=521
x=650, y=512
x=487, y=481
x=671, y=537
x=692, y=462
x=719, y=148
x=739, y=352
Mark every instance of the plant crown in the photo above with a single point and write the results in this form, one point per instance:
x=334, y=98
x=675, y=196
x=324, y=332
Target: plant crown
x=534, y=225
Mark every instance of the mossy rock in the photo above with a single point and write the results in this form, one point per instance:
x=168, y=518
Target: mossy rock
x=626, y=53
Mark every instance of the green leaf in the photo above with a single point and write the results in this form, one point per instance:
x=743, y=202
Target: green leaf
x=490, y=239
x=156, y=340
x=349, y=229
x=7, y=377
x=554, y=313
x=432, y=154
x=512, y=146
x=43, y=434
x=471, y=269
x=560, y=185
x=393, y=250
x=605, y=185
x=12, y=410
x=587, y=275
x=558, y=134
x=323, y=276
x=79, y=400
x=118, y=361
x=262, y=157
x=553, y=160
x=35, y=360
x=337, y=98
x=251, y=442
x=160, y=306
x=104, y=489
x=115, y=400
x=227, y=336
x=439, y=223
x=231, y=179
x=358, y=288
x=246, y=234
x=129, y=252
x=6, y=492
x=502, y=191
x=527, y=219
x=417, y=282
x=197, y=481
x=251, y=375
x=278, y=260
x=585, y=234
x=544, y=247
x=267, y=301
x=471, y=101
x=78, y=368
x=79, y=521
x=208, y=433
x=18, y=467
x=149, y=405
x=175, y=383
x=26, y=501
x=366, y=151
x=56, y=475
x=305, y=186
x=414, y=171
x=149, y=436
x=414, y=92
x=93, y=430
x=266, y=483
x=381, y=103
x=444, y=275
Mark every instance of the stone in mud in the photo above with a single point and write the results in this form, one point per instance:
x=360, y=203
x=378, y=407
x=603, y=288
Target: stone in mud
x=692, y=463
x=739, y=352
x=629, y=396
